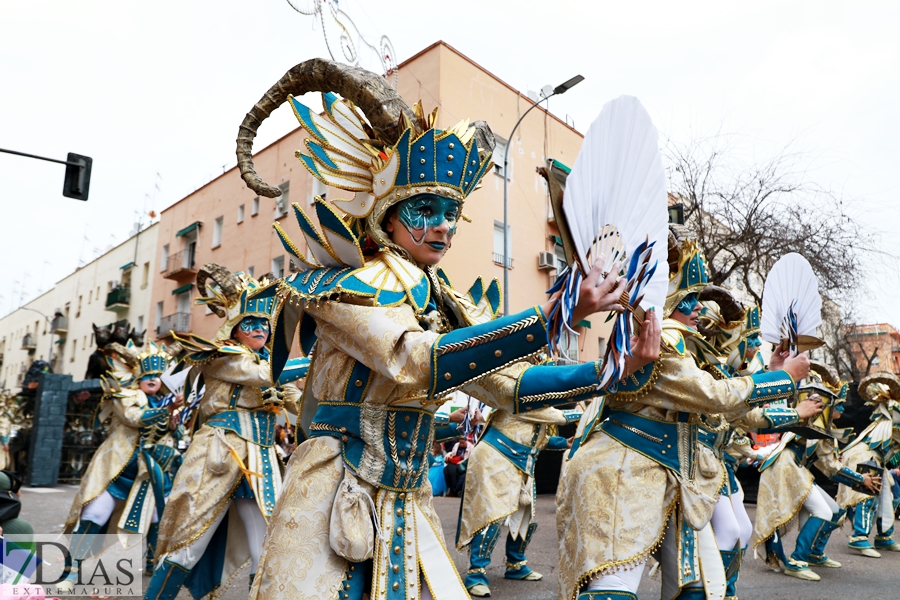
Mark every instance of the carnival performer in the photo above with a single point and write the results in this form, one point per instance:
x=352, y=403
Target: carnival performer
x=640, y=469
x=393, y=339
x=500, y=490
x=7, y=405
x=131, y=473
x=730, y=348
x=879, y=443
x=788, y=493
x=231, y=462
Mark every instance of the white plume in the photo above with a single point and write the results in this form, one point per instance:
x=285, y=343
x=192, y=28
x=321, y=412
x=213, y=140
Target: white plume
x=616, y=194
x=791, y=304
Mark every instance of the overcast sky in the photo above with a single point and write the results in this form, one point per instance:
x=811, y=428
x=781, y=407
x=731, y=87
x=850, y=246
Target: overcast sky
x=161, y=87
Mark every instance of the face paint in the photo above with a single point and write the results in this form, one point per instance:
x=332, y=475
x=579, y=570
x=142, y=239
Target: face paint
x=425, y=211
x=687, y=304
x=249, y=324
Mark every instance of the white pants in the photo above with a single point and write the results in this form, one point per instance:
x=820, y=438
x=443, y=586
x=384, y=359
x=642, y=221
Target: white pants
x=818, y=504
x=730, y=522
x=101, y=508
x=622, y=580
x=254, y=524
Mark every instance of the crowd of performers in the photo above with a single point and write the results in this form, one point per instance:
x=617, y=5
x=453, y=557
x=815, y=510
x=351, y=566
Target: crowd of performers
x=386, y=337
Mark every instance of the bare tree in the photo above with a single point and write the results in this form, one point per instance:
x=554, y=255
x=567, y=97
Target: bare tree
x=747, y=215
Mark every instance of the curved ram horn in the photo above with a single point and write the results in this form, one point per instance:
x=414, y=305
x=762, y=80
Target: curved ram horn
x=378, y=101
x=228, y=284
x=128, y=355
x=729, y=307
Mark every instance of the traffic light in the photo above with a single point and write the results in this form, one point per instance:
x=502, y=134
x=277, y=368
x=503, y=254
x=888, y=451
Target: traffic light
x=77, y=182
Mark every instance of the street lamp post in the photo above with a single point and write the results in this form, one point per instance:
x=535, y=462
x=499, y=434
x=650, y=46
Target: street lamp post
x=560, y=89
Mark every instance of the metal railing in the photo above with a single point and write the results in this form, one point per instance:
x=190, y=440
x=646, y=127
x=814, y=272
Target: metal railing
x=59, y=325
x=178, y=322
x=180, y=262
x=28, y=342
x=119, y=297
x=503, y=261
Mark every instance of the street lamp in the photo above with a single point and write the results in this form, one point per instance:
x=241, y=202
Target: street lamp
x=560, y=89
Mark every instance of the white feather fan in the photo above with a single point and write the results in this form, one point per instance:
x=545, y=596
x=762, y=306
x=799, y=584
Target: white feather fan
x=792, y=306
x=615, y=207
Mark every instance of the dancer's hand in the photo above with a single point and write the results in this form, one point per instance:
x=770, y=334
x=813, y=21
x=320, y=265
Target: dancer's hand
x=872, y=483
x=796, y=366
x=458, y=415
x=645, y=347
x=810, y=407
x=599, y=294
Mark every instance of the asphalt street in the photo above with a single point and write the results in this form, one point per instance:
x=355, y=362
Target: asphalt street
x=860, y=577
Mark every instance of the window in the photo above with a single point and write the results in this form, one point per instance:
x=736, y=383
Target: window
x=318, y=189
x=164, y=258
x=278, y=267
x=159, y=312
x=241, y=213
x=78, y=312
x=145, y=276
x=90, y=293
x=254, y=209
x=84, y=343
x=140, y=324
x=217, y=232
x=499, y=253
x=568, y=348
x=74, y=349
x=189, y=249
x=250, y=271
x=499, y=150
x=602, y=347
x=283, y=201
x=184, y=302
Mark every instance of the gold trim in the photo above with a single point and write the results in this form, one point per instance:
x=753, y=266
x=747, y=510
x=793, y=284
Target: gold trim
x=485, y=338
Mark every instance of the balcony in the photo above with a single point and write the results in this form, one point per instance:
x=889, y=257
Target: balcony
x=119, y=298
x=499, y=259
x=59, y=325
x=180, y=265
x=28, y=342
x=178, y=322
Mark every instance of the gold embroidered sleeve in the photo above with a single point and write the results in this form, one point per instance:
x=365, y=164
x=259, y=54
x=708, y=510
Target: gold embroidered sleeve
x=388, y=340
x=827, y=459
x=125, y=406
x=498, y=389
x=292, y=397
x=243, y=369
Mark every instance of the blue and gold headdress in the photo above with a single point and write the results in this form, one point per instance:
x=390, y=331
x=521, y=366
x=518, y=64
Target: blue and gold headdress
x=234, y=296
x=369, y=143
x=690, y=275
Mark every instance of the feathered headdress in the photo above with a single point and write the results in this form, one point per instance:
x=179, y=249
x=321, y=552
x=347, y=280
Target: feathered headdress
x=881, y=388
x=614, y=211
x=824, y=381
x=233, y=296
x=129, y=363
x=792, y=306
x=370, y=143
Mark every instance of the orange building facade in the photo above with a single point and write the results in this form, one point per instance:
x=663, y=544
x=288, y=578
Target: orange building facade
x=874, y=348
x=226, y=223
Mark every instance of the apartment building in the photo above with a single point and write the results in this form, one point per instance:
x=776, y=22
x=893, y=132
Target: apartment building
x=226, y=223
x=57, y=325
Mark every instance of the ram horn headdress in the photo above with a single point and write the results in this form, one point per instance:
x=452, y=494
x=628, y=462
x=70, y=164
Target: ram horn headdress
x=233, y=296
x=370, y=143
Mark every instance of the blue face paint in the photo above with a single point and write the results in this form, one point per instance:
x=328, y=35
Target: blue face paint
x=687, y=304
x=148, y=377
x=425, y=211
x=249, y=324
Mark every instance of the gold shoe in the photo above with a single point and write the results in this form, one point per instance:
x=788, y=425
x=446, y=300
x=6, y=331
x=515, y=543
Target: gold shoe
x=804, y=574
x=870, y=552
x=480, y=590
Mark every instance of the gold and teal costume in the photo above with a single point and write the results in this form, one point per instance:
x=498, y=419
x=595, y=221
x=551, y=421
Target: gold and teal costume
x=125, y=485
x=647, y=463
x=392, y=340
x=787, y=486
x=879, y=443
x=500, y=489
x=203, y=539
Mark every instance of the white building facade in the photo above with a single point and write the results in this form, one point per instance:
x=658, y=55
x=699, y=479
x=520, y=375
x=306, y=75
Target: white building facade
x=57, y=325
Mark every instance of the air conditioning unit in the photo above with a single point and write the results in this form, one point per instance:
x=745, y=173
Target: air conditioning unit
x=546, y=261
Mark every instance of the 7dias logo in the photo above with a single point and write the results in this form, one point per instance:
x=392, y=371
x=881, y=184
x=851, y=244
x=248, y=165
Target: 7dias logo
x=53, y=565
